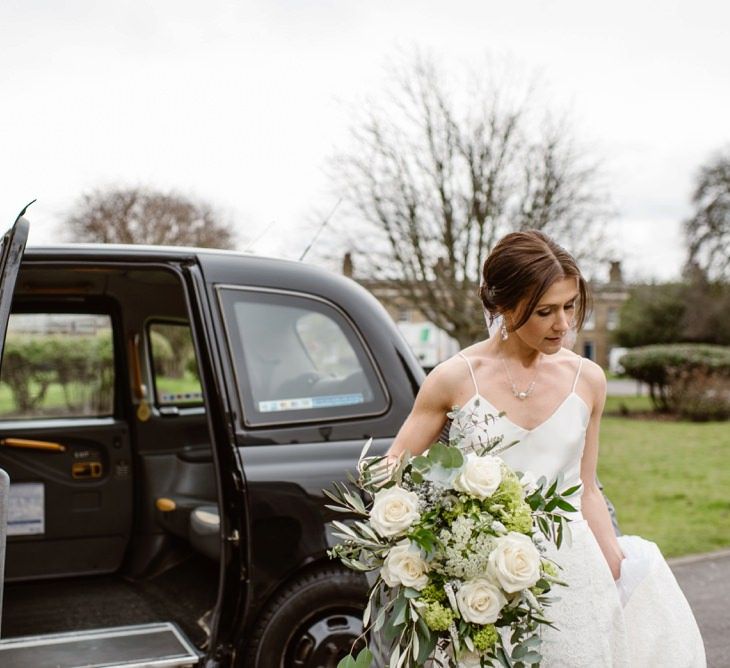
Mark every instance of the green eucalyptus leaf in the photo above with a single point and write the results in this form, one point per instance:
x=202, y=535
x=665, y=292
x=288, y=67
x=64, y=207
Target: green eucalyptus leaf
x=552, y=504
x=559, y=536
x=519, y=651
x=395, y=657
x=366, y=613
x=532, y=657
x=564, y=505
x=455, y=458
x=420, y=463
x=399, y=610
x=338, y=509
x=427, y=643
x=379, y=620
x=438, y=453
x=364, y=658
x=347, y=662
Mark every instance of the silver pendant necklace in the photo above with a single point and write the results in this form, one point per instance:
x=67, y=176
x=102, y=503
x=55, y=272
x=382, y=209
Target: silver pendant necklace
x=520, y=394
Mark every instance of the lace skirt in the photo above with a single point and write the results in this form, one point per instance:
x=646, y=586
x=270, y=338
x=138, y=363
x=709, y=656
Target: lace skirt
x=644, y=621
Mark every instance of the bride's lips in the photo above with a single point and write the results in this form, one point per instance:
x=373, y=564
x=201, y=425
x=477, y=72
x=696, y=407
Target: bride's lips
x=554, y=339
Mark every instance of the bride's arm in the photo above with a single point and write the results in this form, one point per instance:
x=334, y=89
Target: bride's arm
x=593, y=503
x=428, y=415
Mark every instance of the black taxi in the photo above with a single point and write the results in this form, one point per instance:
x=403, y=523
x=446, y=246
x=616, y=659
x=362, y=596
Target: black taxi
x=168, y=419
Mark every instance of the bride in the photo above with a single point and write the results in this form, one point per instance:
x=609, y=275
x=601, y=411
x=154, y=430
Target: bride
x=623, y=606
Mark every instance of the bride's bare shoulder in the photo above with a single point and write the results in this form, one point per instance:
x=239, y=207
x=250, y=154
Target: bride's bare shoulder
x=446, y=381
x=592, y=375
x=449, y=373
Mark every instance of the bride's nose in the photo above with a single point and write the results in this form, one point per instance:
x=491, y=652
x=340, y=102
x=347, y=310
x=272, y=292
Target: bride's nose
x=562, y=322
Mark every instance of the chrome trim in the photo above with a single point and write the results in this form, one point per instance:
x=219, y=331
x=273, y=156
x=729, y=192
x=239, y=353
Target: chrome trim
x=304, y=295
x=189, y=655
x=57, y=423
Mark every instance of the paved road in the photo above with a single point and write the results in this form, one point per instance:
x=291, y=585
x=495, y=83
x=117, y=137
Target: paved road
x=626, y=387
x=705, y=581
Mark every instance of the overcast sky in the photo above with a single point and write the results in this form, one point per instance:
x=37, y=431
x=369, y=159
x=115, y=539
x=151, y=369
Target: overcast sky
x=241, y=103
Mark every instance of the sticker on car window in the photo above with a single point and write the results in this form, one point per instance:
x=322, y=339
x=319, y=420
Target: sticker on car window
x=26, y=509
x=309, y=403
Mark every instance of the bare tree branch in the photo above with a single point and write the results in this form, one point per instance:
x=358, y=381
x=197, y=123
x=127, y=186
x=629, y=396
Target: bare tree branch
x=140, y=216
x=708, y=230
x=439, y=183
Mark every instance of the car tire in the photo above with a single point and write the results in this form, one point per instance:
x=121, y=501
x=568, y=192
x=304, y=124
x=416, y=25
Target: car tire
x=311, y=623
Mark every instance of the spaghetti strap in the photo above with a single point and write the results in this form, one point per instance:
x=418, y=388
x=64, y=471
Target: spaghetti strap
x=575, y=382
x=471, y=371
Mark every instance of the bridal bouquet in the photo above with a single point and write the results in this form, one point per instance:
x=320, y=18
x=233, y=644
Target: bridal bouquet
x=457, y=543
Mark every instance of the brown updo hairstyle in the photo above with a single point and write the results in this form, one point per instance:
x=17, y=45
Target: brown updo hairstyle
x=518, y=272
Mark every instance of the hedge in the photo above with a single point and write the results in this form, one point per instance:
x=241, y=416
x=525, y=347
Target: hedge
x=31, y=364
x=692, y=380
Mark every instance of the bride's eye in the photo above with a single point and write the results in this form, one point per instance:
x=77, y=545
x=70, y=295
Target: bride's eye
x=570, y=306
x=543, y=314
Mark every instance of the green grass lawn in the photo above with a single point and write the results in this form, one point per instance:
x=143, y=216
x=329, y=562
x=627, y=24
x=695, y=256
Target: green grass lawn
x=54, y=402
x=632, y=404
x=188, y=383
x=669, y=481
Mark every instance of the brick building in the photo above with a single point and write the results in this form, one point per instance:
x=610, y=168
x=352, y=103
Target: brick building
x=595, y=339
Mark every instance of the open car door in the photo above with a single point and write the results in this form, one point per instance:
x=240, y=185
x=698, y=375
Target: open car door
x=13, y=245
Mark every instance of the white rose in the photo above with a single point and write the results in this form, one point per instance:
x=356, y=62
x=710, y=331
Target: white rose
x=480, y=601
x=393, y=511
x=529, y=482
x=405, y=566
x=480, y=476
x=515, y=562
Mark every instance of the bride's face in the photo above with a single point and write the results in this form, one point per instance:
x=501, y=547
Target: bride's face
x=551, y=319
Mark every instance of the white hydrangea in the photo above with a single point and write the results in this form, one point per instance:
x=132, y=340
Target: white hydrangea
x=466, y=550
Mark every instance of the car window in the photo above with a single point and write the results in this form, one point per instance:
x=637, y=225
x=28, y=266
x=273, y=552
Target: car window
x=57, y=365
x=174, y=365
x=298, y=359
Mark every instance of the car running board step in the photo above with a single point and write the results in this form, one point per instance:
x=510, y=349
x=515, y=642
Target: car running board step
x=148, y=645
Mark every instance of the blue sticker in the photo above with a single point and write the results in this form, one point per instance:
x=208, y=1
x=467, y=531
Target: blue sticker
x=309, y=403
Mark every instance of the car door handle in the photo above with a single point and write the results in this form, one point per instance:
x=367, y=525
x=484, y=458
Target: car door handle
x=48, y=446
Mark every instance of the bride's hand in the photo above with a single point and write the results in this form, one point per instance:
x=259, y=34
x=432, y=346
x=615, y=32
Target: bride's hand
x=616, y=569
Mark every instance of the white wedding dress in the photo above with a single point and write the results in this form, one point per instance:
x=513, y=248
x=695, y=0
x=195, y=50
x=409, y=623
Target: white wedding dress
x=645, y=621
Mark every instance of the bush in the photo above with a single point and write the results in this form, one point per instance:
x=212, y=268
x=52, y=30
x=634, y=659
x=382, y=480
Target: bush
x=82, y=365
x=700, y=395
x=691, y=380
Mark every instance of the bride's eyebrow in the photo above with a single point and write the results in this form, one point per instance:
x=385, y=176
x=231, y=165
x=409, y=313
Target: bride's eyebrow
x=573, y=298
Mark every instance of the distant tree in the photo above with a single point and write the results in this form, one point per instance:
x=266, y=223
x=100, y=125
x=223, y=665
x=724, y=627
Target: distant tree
x=442, y=172
x=652, y=314
x=141, y=216
x=708, y=229
x=694, y=311
x=707, y=309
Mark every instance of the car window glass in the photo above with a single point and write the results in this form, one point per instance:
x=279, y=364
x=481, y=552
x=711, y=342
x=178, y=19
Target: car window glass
x=57, y=365
x=174, y=365
x=298, y=359
x=326, y=345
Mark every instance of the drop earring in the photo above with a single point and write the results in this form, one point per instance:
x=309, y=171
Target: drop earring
x=503, y=332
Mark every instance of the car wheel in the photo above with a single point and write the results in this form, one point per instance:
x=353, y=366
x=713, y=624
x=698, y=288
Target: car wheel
x=312, y=623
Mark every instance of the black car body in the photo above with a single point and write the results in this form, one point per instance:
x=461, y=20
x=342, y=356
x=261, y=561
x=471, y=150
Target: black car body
x=139, y=501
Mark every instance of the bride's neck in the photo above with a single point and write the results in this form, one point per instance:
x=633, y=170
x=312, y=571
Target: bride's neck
x=514, y=349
